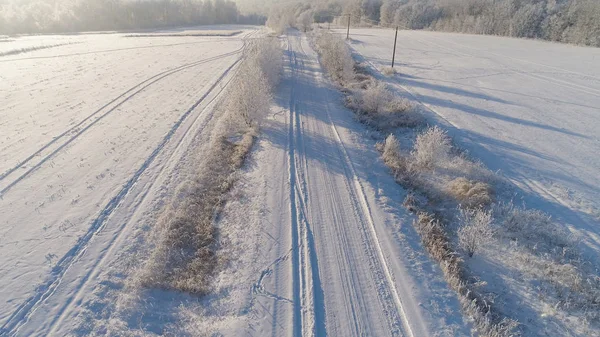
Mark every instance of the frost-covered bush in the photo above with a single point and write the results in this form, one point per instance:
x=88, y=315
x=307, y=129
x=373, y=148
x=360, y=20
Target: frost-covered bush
x=335, y=57
x=258, y=74
x=279, y=20
x=400, y=165
x=475, y=229
x=388, y=71
x=373, y=100
x=305, y=20
x=265, y=54
x=391, y=149
x=469, y=168
x=248, y=98
x=432, y=147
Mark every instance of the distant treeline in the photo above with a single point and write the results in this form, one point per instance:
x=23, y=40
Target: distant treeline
x=51, y=16
x=570, y=21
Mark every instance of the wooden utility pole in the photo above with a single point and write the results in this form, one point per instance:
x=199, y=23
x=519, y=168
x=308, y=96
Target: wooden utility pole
x=348, y=31
x=394, y=54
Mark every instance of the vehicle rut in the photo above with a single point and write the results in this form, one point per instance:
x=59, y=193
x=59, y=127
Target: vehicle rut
x=380, y=270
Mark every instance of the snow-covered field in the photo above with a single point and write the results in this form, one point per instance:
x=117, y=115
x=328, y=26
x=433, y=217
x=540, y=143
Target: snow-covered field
x=529, y=109
x=97, y=130
x=90, y=130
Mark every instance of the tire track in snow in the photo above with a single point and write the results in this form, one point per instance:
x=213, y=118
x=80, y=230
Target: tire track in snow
x=295, y=231
x=351, y=285
x=371, y=240
x=309, y=310
x=44, y=291
x=106, y=252
x=85, y=124
x=312, y=290
x=113, y=50
x=308, y=299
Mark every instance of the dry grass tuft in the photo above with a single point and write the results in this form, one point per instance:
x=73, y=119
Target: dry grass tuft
x=378, y=107
x=470, y=193
x=388, y=71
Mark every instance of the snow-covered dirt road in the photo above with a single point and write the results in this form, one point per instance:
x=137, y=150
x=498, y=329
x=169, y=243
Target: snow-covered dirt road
x=88, y=130
x=338, y=255
x=530, y=109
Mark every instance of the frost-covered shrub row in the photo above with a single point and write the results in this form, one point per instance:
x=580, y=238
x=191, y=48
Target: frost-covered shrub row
x=437, y=242
x=185, y=238
x=335, y=57
x=529, y=242
x=430, y=170
x=373, y=103
x=185, y=256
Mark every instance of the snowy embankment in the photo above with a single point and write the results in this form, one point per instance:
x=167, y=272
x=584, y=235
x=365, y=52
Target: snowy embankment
x=545, y=278
x=95, y=136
